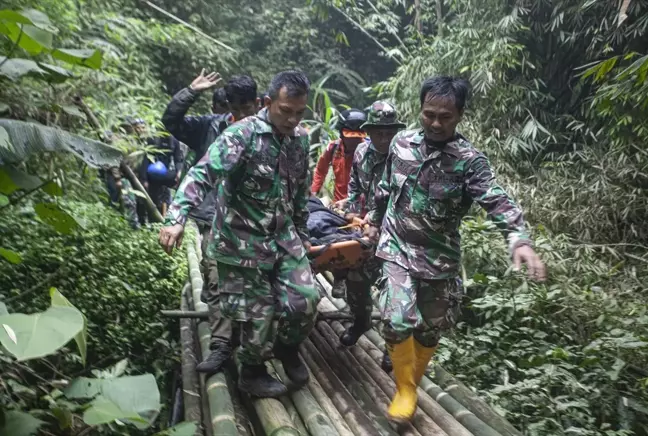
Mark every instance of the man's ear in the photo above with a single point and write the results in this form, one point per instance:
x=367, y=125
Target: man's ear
x=266, y=101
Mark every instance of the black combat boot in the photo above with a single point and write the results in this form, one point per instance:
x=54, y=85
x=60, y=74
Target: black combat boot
x=292, y=364
x=255, y=381
x=386, y=363
x=216, y=360
x=339, y=288
x=351, y=335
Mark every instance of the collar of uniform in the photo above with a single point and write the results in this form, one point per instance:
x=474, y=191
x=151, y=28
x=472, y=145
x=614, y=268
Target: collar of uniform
x=451, y=147
x=266, y=127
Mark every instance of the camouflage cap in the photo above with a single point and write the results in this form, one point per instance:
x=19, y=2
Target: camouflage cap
x=382, y=114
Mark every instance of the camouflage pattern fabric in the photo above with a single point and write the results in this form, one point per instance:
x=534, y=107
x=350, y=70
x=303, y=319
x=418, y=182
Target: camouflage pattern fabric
x=262, y=180
x=252, y=296
x=382, y=114
x=358, y=295
x=221, y=328
x=412, y=306
x=366, y=172
x=423, y=195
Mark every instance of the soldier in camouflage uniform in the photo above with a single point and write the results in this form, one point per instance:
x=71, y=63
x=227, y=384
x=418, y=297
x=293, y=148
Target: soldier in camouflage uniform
x=366, y=171
x=431, y=178
x=199, y=132
x=259, y=168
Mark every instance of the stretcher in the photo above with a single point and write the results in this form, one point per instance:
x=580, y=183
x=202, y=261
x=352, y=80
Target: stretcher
x=341, y=255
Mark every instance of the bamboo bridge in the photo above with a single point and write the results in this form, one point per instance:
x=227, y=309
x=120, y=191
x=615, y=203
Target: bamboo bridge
x=348, y=392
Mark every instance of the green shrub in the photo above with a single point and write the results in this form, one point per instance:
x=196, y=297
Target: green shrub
x=119, y=278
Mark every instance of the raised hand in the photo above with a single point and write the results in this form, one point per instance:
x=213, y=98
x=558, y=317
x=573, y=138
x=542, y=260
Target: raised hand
x=203, y=82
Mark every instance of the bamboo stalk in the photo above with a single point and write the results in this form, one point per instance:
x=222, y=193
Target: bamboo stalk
x=273, y=416
x=190, y=384
x=456, y=409
x=312, y=415
x=472, y=402
x=423, y=420
x=243, y=423
x=348, y=375
x=288, y=404
x=360, y=424
x=327, y=406
x=360, y=372
x=222, y=419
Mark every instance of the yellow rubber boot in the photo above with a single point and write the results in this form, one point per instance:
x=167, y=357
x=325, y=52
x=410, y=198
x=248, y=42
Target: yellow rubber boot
x=423, y=357
x=403, y=405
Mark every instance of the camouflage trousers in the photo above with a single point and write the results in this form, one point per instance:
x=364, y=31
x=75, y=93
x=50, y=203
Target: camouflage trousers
x=221, y=328
x=413, y=306
x=359, y=282
x=129, y=203
x=253, y=296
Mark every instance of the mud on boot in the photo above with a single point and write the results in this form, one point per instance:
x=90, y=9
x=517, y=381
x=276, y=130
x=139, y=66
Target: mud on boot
x=255, y=381
x=216, y=360
x=292, y=364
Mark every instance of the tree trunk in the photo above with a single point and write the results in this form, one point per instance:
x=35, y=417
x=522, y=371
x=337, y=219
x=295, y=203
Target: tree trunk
x=417, y=15
x=439, y=15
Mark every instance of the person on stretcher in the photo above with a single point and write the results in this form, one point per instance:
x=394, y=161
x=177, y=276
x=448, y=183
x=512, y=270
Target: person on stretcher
x=366, y=171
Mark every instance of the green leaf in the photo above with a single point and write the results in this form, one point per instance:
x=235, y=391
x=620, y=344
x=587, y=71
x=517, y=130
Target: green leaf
x=28, y=138
x=87, y=58
x=134, y=396
x=11, y=256
x=20, y=424
x=4, y=200
x=63, y=416
x=81, y=339
x=4, y=107
x=3, y=309
x=104, y=411
x=182, y=429
x=32, y=39
x=39, y=334
x=72, y=110
x=5, y=141
x=14, y=69
x=28, y=16
x=12, y=179
x=52, y=214
x=53, y=189
x=55, y=74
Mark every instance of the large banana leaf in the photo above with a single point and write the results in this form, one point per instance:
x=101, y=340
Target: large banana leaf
x=19, y=139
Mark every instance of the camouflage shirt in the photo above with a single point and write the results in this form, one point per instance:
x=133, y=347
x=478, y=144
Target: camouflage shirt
x=366, y=172
x=425, y=192
x=261, y=209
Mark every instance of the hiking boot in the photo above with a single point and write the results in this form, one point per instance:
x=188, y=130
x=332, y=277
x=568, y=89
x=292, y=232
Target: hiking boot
x=292, y=364
x=350, y=336
x=255, y=381
x=386, y=363
x=339, y=288
x=216, y=359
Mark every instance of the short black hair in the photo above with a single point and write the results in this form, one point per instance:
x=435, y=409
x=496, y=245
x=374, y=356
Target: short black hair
x=241, y=89
x=219, y=98
x=295, y=82
x=445, y=86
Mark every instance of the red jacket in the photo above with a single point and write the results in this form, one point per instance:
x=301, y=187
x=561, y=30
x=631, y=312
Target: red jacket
x=334, y=153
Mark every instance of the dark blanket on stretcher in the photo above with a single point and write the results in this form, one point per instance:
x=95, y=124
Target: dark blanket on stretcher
x=324, y=225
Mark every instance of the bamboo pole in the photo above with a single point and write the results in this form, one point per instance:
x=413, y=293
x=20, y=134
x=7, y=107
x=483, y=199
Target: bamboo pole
x=457, y=410
x=472, y=402
x=327, y=405
x=360, y=372
x=348, y=375
x=243, y=424
x=360, y=424
x=223, y=421
x=190, y=384
x=312, y=415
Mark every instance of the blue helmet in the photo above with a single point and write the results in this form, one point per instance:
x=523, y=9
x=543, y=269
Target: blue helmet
x=157, y=169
